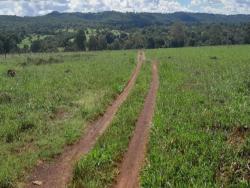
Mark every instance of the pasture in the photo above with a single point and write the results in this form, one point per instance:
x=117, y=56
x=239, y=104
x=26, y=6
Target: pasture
x=200, y=132
x=49, y=101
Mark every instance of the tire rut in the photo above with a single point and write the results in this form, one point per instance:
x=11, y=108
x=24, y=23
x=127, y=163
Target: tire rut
x=134, y=158
x=59, y=173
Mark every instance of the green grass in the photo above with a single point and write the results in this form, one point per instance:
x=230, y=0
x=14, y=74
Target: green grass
x=201, y=129
x=203, y=108
x=100, y=167
x=46, y=105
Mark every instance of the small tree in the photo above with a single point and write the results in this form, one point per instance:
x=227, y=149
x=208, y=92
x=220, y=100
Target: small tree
x=150, y=43
x=178, y=35
x=8, y=44
x=36, y=46
x=215, y=35
x=247, y=35
x=93, y=43
x=1, y=47
x=102, y=43
x=110, y=37
x=80, y=40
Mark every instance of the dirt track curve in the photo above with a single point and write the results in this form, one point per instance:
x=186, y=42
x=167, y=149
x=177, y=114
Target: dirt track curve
x=59, y=173
x=133, y=160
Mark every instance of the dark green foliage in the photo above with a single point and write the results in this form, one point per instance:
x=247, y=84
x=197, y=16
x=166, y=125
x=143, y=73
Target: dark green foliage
x=93, y=43
x=1, y=47
x=113, y=30
x=52, y=21
x=247, y=35
x=110, y=37
x=150, y=43
x=80, y=40
x=36, y=46
x=178, y=35
x=102, y=43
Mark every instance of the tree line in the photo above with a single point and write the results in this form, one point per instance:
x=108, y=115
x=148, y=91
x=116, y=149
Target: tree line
x=176, y=35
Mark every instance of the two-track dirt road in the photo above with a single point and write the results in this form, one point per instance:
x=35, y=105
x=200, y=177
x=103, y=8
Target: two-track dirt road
x=133, y=160
x=59, y=173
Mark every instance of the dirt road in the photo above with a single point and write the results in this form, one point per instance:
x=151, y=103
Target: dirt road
x=133, y=160
x=59, y=173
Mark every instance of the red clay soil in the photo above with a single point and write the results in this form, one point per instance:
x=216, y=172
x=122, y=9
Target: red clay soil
x=59, y=173
x=134, y=158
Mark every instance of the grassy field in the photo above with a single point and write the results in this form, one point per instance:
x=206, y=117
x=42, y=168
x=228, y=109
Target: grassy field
x=47, y=104
x=200, y=135
x=101, y=166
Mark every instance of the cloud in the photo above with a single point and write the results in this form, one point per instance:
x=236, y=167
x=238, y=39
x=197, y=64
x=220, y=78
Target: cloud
x=126, y=5
x=40, y=7
x=31, y=7
x=221, y=6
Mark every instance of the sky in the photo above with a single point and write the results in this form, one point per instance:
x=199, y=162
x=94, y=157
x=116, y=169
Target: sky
x=41, y=7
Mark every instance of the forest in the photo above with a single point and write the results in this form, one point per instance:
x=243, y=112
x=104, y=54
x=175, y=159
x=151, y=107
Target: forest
x=114, y=31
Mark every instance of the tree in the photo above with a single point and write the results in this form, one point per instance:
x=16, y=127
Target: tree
x=8, y=44
x=150, y=43
x=36, y=46
x=138, y=41
x=102, y=43
x=110, y=37
x=159, y=42
x=80, y=40
x=25, y=48
x=1, y=47
x=177, y=32
x=215, y=35
x=115, y=45
x=123, y=36
x=247, y=35
x=93, y=43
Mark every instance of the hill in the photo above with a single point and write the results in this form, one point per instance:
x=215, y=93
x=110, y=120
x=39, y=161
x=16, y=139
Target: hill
x=116, y=19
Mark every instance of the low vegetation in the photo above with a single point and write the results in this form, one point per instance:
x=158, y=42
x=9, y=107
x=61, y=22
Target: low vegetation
x=200, y=135
x=201, y=129
x=43, y=108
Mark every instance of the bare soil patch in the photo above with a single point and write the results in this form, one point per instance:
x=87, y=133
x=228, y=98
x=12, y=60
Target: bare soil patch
x=238, y=136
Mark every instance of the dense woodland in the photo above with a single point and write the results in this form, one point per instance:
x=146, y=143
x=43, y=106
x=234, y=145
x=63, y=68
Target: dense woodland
x=113, y=30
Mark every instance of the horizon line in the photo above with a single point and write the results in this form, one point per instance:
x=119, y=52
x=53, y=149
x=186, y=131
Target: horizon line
x=134, y=12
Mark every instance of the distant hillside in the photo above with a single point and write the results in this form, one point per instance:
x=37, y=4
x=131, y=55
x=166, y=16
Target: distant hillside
x=57, y=20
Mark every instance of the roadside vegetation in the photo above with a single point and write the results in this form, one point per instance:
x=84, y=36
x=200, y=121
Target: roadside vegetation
x=47, y=100
x=100, y=167
x=201, y=129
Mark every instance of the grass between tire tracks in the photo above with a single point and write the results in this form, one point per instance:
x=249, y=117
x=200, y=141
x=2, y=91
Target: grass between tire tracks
x=100, y=167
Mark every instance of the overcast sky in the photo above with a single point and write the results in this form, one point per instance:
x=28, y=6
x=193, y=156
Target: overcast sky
x=41, y=7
